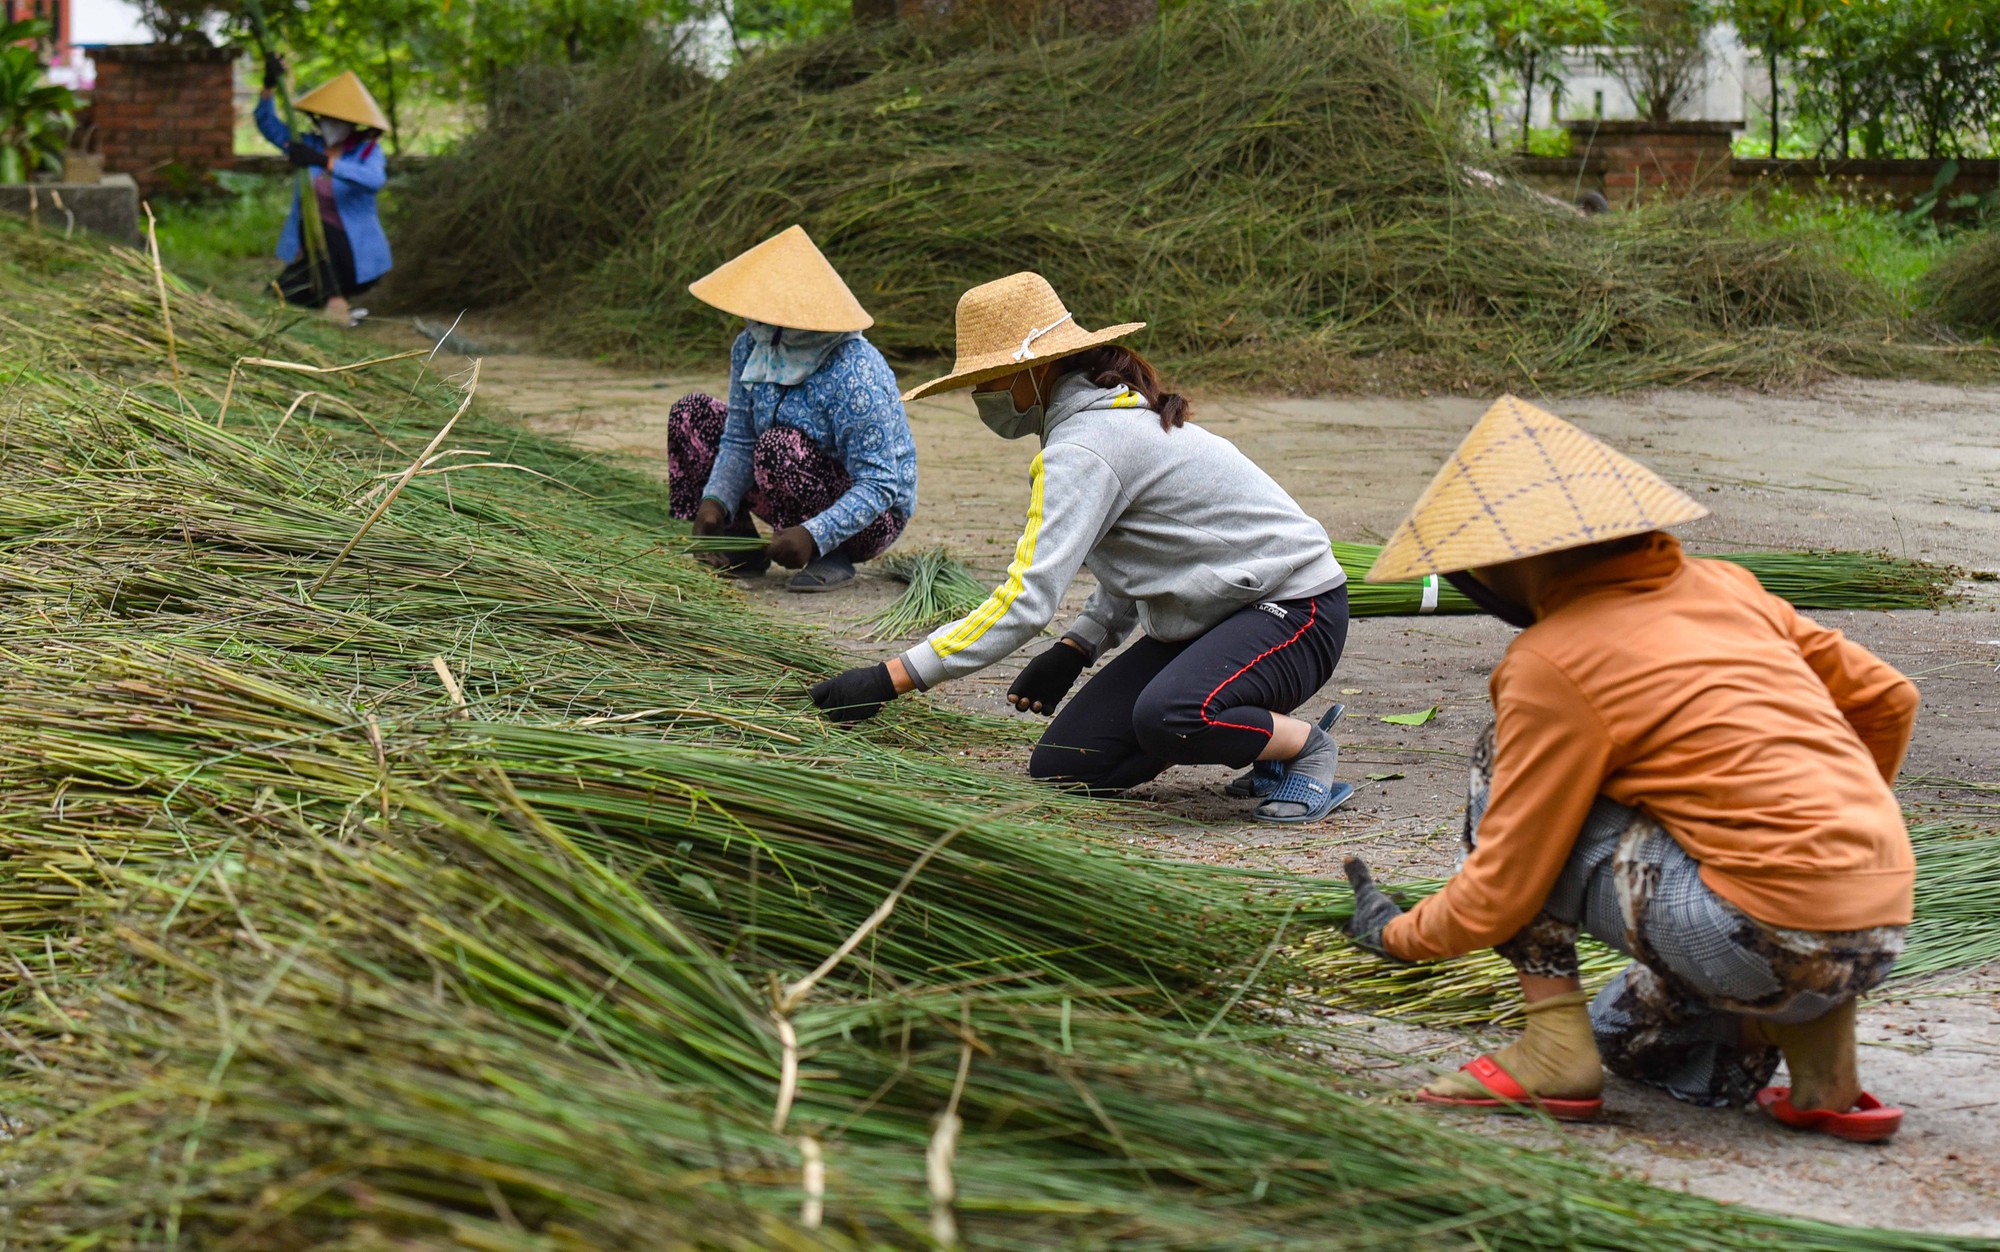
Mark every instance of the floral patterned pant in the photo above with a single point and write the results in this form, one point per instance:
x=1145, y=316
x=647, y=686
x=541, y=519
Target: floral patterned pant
x=791, y=478
x=1674, y=1018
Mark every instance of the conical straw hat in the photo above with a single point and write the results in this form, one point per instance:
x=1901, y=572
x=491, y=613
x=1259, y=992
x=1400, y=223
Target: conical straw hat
x=1525, y=482
x=344, y=97
x=1010, y=324
x=784, y=281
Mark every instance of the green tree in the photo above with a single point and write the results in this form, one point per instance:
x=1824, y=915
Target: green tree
x=1526, y=39
x=1657, y=50
x=1837, y=87
x=182, y=21
x=1904, y=77
x=1939, y=63
x=1776, y=28
x=1459, y=43
x=397, y=46
x=468, y=49
x=765, y=22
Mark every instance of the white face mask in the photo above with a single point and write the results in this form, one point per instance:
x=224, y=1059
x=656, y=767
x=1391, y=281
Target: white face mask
x=996, y=409
x=335, y=131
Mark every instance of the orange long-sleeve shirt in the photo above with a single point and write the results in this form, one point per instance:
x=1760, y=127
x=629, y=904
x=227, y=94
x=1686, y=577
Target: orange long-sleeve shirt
x=1763, y=742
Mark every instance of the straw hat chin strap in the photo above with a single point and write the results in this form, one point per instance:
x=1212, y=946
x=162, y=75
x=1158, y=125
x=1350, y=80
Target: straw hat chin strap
x=1027, y=349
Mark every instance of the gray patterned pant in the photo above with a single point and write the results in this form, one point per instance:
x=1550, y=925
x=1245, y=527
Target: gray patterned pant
x=1674, y=1018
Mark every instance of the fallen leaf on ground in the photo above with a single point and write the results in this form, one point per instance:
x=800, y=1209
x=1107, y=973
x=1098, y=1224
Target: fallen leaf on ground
x=1382, y=777
x=1411, y=719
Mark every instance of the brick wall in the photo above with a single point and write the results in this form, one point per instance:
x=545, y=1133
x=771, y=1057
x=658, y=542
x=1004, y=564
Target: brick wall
x=1898, y=181
x=1902, y=181
x=164, y=112
x=1643, y=161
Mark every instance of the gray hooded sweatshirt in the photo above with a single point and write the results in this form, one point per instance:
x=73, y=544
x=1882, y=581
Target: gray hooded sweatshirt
x=1179, y=527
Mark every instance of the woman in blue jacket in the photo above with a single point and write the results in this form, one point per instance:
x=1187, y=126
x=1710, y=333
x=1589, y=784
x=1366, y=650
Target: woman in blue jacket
x=812, y=439
x=348, y=168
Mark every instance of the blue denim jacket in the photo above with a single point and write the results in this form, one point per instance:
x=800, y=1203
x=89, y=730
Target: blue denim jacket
x=357, y=176
x=851, y=409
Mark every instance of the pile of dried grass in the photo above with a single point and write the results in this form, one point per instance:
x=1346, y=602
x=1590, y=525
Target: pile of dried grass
x=1279, y=188
x=1964, y=286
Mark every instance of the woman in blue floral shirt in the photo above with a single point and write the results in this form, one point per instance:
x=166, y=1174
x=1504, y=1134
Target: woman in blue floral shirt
x=813, y=439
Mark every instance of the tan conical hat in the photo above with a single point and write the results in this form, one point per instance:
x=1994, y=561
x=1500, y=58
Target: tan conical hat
x=1525, y=482
x=344, y=97
x=784, y=281
x=1009, y=324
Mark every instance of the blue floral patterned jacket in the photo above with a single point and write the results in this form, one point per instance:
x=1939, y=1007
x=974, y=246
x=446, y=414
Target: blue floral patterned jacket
x=851, y=409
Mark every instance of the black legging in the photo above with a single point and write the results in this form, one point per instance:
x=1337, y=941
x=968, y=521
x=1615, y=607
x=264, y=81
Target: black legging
x=299, y=285
x=1204, y=701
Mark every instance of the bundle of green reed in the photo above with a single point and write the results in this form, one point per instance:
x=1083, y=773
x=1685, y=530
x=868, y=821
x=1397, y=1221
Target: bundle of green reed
x=1809, y=580
x=485, y=1019
x=940, y=589
x=1404, y=599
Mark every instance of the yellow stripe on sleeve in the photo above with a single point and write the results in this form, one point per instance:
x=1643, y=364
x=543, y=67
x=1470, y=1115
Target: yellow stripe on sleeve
x=981, y=619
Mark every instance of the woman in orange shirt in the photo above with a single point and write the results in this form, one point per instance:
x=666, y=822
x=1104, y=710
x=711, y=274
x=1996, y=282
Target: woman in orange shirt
x=1680, y=764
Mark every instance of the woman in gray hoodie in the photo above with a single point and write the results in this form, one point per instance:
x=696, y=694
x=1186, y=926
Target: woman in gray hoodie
x=1242, y=606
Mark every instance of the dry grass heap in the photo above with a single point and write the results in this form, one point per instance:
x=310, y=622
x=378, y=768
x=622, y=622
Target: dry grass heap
x=1279, y=188
x=1964, y=287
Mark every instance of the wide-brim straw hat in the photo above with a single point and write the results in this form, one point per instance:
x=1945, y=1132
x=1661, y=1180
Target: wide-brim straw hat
x=784, y=281
x=1525, y=482
x=344, y=97
x=1010, y=324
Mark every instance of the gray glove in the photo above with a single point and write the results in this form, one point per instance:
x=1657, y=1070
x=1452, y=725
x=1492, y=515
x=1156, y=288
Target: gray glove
x=1373, y=910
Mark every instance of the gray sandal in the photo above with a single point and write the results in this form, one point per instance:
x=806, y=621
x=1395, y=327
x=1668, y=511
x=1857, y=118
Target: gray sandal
x=826, y=573
x=1262, y=778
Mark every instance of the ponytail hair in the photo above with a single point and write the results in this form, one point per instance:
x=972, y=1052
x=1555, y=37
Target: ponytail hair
x=1111, y=364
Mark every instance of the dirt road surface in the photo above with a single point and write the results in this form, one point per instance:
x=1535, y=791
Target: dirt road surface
x=1909, y=468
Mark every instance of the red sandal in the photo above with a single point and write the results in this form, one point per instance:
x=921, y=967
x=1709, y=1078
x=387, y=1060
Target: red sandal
x=1510, y=1096
x=1869, y=1121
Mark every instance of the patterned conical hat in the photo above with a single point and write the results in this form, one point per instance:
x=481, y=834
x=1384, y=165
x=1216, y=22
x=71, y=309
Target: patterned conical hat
x=344, y=97
x=1525, y=482
x=784, y=281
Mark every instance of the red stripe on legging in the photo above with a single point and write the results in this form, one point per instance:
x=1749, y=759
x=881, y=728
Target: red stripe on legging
x=1312, y=613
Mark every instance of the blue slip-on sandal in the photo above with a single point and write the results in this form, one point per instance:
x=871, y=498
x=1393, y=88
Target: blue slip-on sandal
x=1321, y=799
x=1262, y=778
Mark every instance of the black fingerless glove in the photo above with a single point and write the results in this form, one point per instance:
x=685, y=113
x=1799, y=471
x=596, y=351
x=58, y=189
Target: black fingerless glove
x=304, y=155
x=1373, y=910
x=1044, y=681
x=855, y=695
x=274, y=71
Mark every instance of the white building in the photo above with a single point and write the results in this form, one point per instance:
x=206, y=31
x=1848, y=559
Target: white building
x=1727, y=92
x=94, y=24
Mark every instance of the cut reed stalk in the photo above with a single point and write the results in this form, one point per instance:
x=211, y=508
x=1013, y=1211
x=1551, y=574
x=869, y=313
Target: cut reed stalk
x=940, y=589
